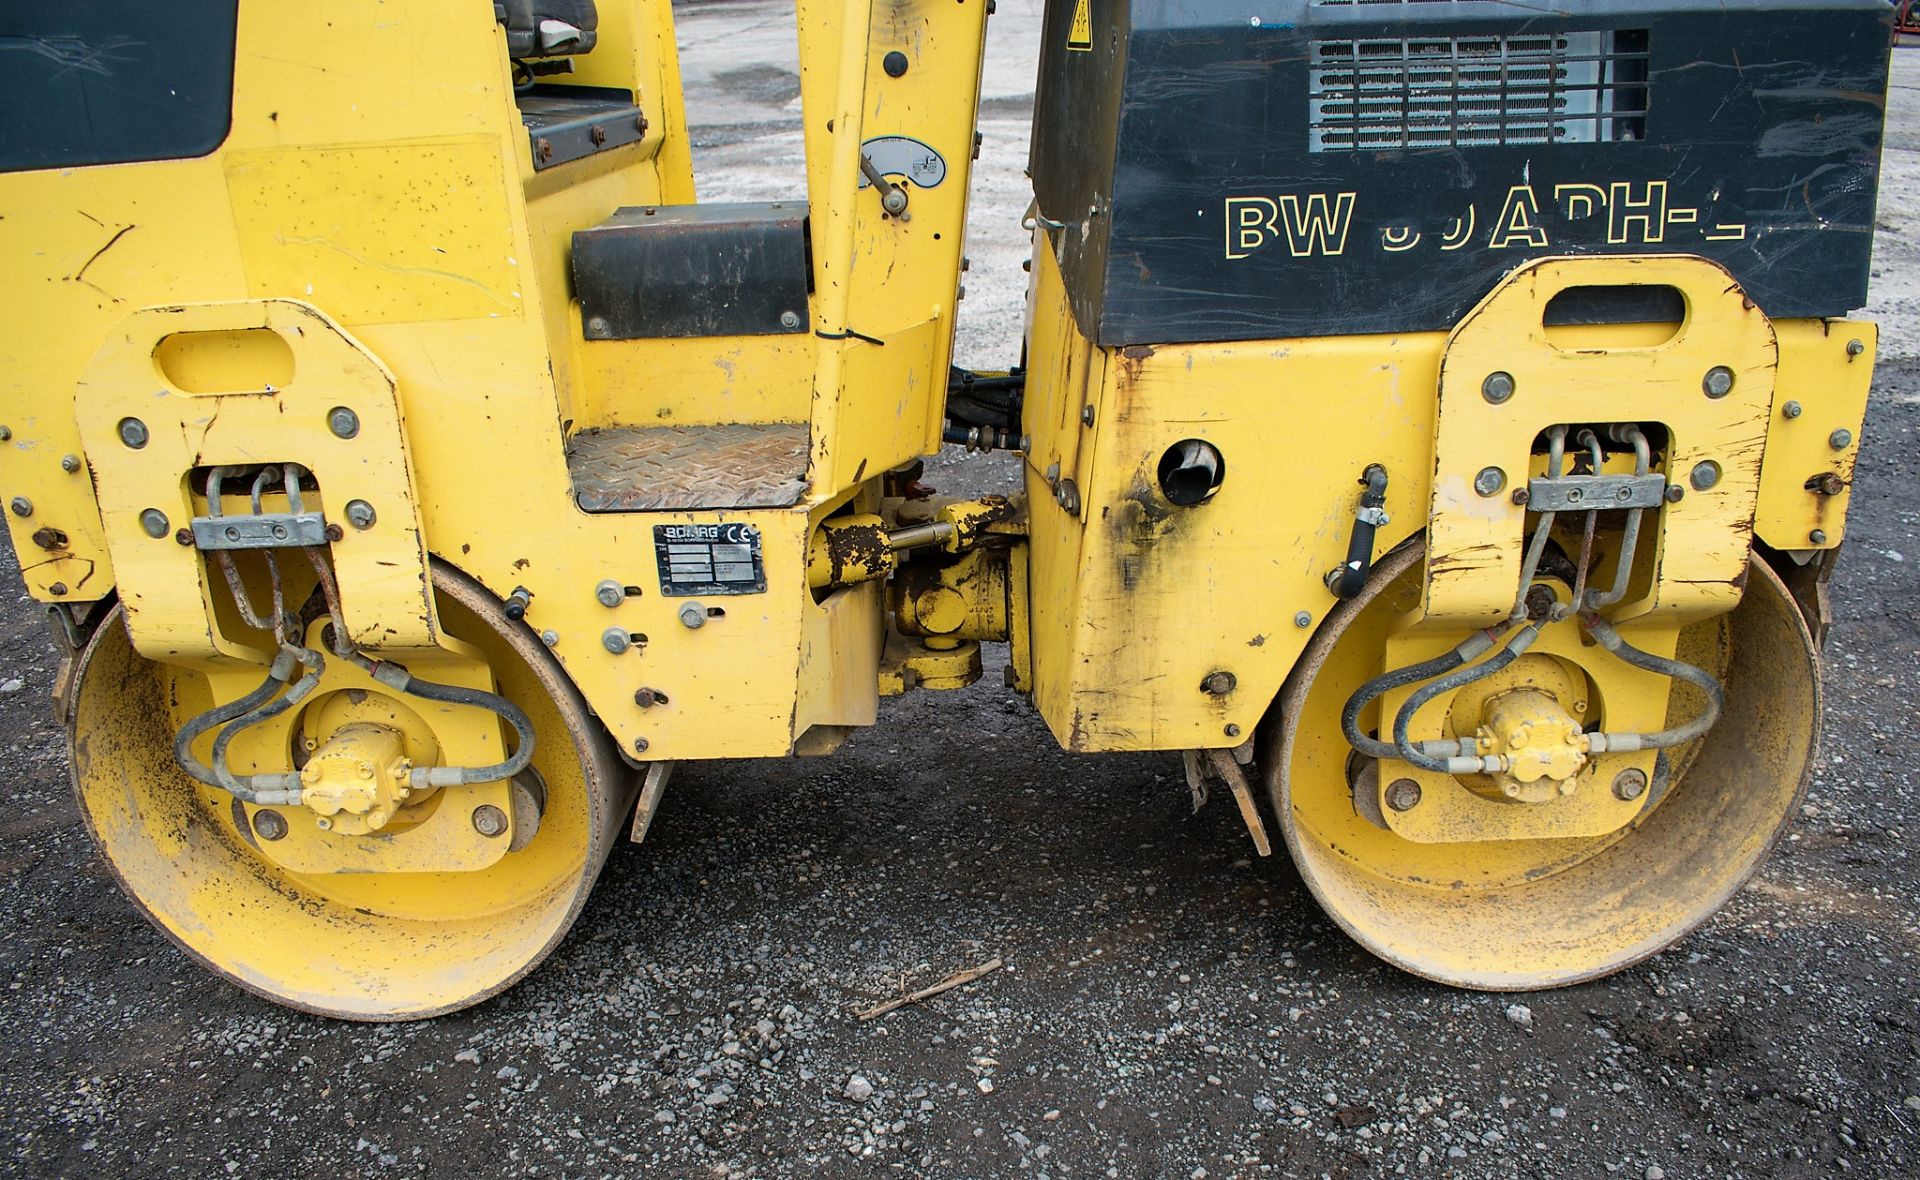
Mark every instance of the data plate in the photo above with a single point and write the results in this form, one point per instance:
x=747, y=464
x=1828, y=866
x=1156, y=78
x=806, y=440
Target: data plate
x=709, y=559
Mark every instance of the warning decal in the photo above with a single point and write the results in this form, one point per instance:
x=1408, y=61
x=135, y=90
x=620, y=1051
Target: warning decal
x=1080, y=36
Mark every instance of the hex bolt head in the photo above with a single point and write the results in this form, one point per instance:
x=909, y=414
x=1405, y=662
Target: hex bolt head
x=489, y=821
x=133, y=432
x=693, y=616
x=1303, y=619
x=789, y=319
x=6, y=433
x=1817, y=537
x=597, y=325
x=360, y=514
x=21, y=506
x=1231, y=731
x=1718, y=382
x=1490, y=481
x=640, y=745
x=1497, y=388
x=1840, y=440
x=550, y=637
x=1086, y=415
x=343, y=422
x=1403, y=794
x=1629, y=784
x=646, y=698
x=615, y=640
x=1856, y=347
x=324, y=824
x=610, y=593
x=154, y=523
x=1218, y=684
x=1790, y=410
x=269, y=825
x=1675, y=493
x=1705, y=474
x=1522, y=497
x=69, y=463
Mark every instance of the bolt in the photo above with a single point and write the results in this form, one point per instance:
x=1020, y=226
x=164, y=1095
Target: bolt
x=1840, y=440
x=597, y=325
x=615, y=640
x=1790, y=410
x=1827, y=484
x=324, y=824
x=1053, y=474
x=183, y=537
x=1403, y=794
x=1521, y=496
x=22, y=506
x=544, y=146
x=232, y=533
x=1218, y=684
x=69, y=463
x=360, y=514
x=6, y=433
x=1705, y=474
x=1629, y=785
x=1540, y=601
x=1231, y=731
x=1497, y=388
x=334, y=532
x=1026, y=443
x=598, y=135
x=1718, y=382
x=895, y=63
x=1489, y=481
x=1303, y=619
x=610, y=593
x=269, y=825
x=789, y=319
x=1817, y=537
x=693, y=616
x=1086, y=415
x=343, y=422
x=550, y=637
x=1625, y=493
x=640, y=745
x=57, y=589
x=133, y=432
x=1068, y=494
x=1675, y=493
x=1575, y=495
x=154, y=522
x=489, y=820
x=646, y=698
x=1856, y=347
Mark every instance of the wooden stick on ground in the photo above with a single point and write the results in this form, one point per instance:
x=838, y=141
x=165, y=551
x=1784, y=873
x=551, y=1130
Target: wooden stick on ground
x=946, y=985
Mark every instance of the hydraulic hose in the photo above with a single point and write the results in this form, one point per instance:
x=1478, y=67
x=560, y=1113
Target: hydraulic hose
x=1665, y=739
x=1472, y=648
x=398, y=678
x=1405, y=748
x=1346, y=581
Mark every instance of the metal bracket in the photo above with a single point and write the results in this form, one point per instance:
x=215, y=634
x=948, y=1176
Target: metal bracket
x=1596, y=493
x=267, y=530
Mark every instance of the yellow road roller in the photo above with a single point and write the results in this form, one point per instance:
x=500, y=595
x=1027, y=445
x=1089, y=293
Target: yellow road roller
x=1436, y=421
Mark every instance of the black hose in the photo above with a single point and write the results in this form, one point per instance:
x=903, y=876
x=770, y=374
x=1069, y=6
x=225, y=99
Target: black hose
x=449, y=694
x=219, y=715
x=1403, y=745
x=1379, y=686
x=1679, y=735
x=1347, y=581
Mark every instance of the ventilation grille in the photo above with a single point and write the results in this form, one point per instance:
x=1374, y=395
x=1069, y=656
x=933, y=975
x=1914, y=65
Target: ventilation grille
x=1381, y=94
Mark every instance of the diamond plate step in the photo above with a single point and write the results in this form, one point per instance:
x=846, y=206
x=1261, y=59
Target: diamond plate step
x=655, y=468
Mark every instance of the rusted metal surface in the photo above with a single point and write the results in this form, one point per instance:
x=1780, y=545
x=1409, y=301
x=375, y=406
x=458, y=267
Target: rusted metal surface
x=649, y=469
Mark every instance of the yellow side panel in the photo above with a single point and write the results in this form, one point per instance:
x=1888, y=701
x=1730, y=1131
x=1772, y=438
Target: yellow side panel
x=379, y=234
x=693, y=381
x=1826, y=370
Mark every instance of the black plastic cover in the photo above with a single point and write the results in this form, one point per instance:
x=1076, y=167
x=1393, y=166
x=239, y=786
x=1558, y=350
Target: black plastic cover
x=723, y=269
x=1226, y=171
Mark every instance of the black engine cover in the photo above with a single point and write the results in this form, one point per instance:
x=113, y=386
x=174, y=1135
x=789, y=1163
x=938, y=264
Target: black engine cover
x=1226, y=170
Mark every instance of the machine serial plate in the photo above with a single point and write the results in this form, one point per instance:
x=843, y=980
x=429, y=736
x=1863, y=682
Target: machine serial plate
x=709, y=559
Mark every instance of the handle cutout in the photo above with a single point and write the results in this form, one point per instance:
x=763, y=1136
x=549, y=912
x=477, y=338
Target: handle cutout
x=235, y=360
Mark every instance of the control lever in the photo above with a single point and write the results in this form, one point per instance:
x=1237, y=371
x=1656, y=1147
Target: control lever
x=893, y=198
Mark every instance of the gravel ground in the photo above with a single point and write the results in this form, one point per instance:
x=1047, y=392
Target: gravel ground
x=1170, y=1006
